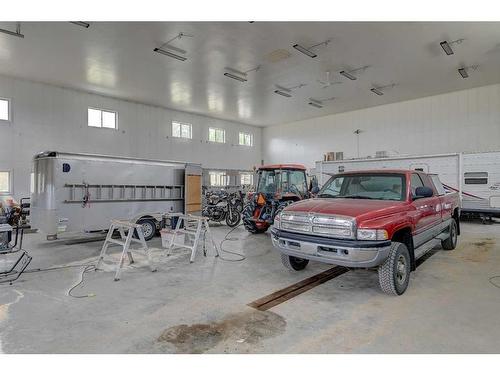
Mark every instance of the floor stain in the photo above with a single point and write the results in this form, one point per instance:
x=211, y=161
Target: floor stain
x=242, y=328
x=479, y=251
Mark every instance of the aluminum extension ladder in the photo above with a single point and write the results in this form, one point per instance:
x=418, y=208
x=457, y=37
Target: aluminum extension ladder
x=125, y=242
x=192, y=226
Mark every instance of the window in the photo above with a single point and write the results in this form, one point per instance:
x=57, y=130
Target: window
x=218, y=178
x=100, y=118
x=365, y=186
x=476, y=178
x=246, y=178
x=415, y=182
x=4, y=182
x=182, y=130
x=282, y=181
x=4, y=109
x=246, y=139
x=217, y=135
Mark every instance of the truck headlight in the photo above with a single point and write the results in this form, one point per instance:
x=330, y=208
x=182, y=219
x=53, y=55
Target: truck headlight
x=372, y=234
x=277, y=221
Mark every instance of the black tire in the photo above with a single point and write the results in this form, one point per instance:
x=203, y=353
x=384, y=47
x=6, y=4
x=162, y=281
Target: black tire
x=247, y=215
x=394, y=273
x=451, y=242
x=233, y=217
x=294, y=263
x=148, y=228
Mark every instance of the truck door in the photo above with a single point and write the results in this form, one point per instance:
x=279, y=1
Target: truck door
x=446, y=206
x=428, y=212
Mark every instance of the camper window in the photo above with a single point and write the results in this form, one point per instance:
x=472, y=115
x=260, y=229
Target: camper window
x=476, y=178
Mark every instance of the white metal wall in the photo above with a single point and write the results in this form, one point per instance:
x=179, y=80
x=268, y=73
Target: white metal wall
x=47, y=117
x=467, y=120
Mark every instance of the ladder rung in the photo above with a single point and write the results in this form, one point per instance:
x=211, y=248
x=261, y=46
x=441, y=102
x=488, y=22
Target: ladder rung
x=118, y=242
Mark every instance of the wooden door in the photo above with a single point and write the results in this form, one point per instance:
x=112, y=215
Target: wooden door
x=193, y=194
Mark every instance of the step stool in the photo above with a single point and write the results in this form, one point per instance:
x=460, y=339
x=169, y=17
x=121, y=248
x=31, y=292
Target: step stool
x=190, y=226
x=125, y=242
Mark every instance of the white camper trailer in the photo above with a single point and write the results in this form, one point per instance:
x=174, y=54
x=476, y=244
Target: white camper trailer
x=476, y=176
x=83, y=192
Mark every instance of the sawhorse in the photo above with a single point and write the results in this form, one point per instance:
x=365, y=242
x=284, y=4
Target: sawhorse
x=125, y=242
x=191, y=225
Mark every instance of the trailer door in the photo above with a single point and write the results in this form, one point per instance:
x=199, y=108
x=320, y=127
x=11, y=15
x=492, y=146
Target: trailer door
x=193, y=193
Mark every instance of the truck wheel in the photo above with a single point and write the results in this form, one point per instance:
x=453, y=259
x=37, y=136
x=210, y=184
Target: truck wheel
x=249, y=224
x=148, y=228
x=451, y=242
x=394, y=273
x=294, y=263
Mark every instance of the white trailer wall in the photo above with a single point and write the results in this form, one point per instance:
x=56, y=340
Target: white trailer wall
x=46, y=117
x=461, y=121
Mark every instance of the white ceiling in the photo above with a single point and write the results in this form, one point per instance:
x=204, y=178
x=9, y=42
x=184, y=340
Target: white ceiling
x=117, y=59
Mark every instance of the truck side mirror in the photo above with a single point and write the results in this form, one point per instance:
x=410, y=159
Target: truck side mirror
x=423, y=192
x=315, y=190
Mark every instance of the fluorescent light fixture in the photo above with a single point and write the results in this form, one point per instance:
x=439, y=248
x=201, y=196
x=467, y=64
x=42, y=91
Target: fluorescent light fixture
x=376, y=91
x=446, y=47
x=233, y=76
x=463, y=72
x=14, y=33
x=283, y=93
x=314, y=104
x=348, y=75
x=304, y=50
x=170, y=54
x=81, y=23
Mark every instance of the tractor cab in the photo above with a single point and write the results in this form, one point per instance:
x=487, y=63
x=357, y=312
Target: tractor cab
x=282, y=182
x=277, y=186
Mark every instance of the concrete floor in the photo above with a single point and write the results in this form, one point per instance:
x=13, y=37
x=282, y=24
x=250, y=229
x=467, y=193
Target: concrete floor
x=450, y=306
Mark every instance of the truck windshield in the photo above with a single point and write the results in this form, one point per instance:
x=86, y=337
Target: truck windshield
x=282, y=181
x=365, y=186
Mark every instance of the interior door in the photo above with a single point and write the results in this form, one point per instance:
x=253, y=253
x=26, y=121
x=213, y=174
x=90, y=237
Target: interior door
x=193, y=194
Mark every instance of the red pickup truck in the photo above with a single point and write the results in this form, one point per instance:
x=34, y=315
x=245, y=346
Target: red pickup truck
x=384, y=219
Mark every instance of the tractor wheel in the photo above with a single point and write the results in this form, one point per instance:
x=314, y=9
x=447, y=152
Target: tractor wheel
x=248, y=223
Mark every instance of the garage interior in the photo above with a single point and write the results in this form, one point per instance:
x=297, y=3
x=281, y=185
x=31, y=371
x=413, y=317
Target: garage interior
x=218, y=102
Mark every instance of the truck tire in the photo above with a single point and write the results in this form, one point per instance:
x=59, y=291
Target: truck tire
x=451, y=242
x=294, y=263
x=394, y=273
x=148, y=228
x=249, y=224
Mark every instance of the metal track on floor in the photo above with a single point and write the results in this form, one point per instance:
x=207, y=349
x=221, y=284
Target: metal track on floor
x=283, y=295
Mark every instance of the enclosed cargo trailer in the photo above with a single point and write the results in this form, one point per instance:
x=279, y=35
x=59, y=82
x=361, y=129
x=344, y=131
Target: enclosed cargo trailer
x=83, y=192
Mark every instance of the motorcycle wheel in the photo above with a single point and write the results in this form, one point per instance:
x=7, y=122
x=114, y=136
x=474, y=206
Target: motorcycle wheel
x=233, y=218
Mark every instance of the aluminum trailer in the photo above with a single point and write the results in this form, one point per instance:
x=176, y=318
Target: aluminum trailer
x=83, y=192
x=476, y=176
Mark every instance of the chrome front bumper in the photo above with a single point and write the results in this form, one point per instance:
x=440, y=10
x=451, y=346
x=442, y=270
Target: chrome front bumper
x=348, y=253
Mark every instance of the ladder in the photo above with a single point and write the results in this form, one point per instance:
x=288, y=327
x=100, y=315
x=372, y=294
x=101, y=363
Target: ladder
x=193, y=228
x=125, y=241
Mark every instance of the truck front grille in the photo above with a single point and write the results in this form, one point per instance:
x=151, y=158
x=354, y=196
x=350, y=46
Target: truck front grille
x=321, y=225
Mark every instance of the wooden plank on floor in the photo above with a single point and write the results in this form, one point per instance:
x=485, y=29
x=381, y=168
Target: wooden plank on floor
x=283, y=295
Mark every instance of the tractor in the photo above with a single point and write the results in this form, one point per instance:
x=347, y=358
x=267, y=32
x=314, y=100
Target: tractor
x=277, y=186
